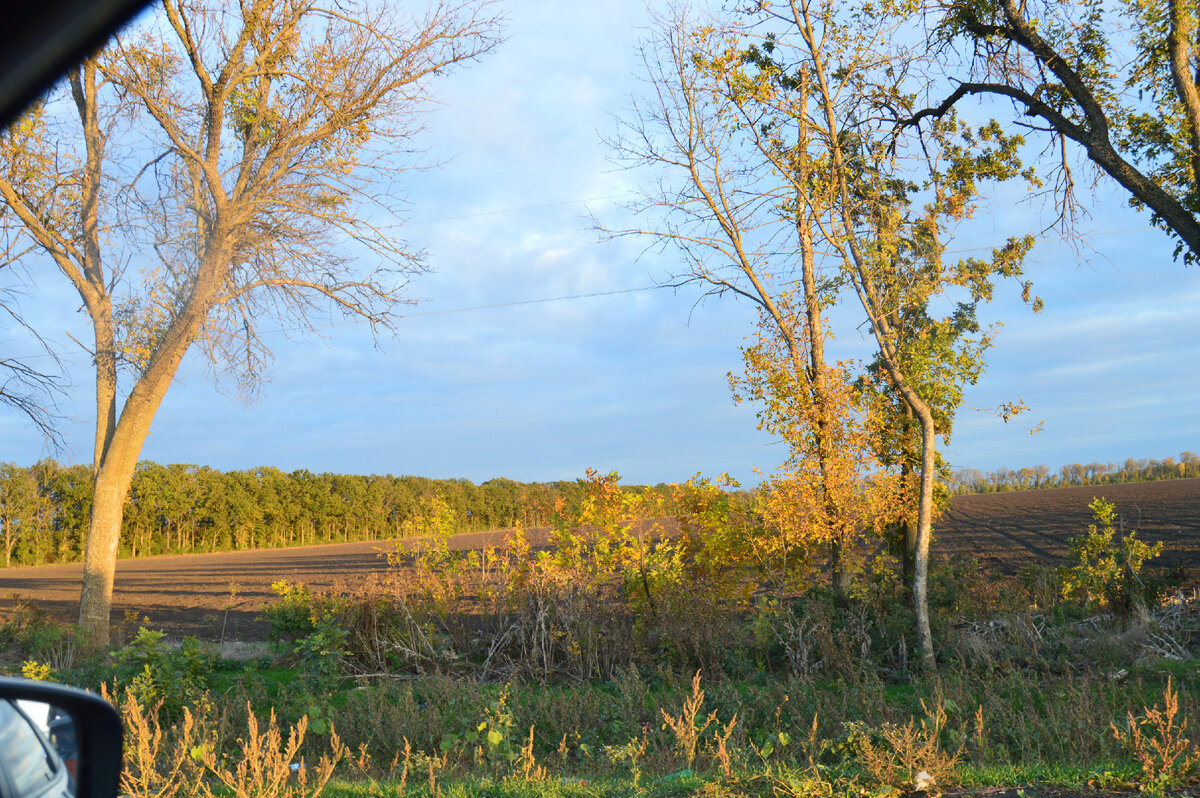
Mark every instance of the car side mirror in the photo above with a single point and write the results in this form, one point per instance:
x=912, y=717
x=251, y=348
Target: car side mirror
x=57, y=741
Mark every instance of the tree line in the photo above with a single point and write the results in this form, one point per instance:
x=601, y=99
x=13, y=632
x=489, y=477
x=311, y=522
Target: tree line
x=972, y=480
x=189, y=509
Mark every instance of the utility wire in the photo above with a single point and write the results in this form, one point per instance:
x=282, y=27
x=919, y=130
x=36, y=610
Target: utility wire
x=527, y=302
x=517, y=210
x=572, y=297
x=517, y=303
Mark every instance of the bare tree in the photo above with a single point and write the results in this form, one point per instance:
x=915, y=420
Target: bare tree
x=239, y=158
x=29, y=390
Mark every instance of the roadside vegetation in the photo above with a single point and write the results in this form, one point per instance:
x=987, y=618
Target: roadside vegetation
x=619, y=661
x=800, y=639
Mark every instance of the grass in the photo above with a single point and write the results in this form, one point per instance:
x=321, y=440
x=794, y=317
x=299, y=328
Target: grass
x=855, y=732
x=489, y=787
x=789, y=782
x=1010, y=730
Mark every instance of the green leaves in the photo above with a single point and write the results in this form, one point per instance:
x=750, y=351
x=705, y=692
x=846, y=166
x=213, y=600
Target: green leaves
x=1107, y=571
x=155, y=673
x=492, y=740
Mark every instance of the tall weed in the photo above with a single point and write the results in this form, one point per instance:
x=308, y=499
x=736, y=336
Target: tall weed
x=267, y=766
x=1156, y=741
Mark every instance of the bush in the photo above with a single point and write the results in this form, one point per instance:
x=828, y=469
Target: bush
x=293, y=615
x=1107, y=572
x=31, y=634
x=321, y=652
x=159, y=675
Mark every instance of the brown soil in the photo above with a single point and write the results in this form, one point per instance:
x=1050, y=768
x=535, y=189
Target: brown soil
x=213, y=596
x=1007, y=530
x=193, y=594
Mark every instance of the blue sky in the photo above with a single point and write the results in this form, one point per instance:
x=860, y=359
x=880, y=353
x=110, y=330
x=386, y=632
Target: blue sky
x=634, y=381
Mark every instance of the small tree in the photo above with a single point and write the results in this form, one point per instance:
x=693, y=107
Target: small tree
x=736, y=199
x=1106, y=570
x=777, y=148
x=832, y=490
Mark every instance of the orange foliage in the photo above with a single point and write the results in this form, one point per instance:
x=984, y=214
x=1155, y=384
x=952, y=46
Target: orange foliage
x=832, y=489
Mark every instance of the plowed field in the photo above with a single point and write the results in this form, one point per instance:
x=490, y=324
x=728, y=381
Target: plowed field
x=1006, y=530
x=221, y=595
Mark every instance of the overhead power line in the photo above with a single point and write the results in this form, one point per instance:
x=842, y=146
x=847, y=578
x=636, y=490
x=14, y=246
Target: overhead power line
x=532, y=301
x=571, y=297
x=543, y=300
x=499, y=211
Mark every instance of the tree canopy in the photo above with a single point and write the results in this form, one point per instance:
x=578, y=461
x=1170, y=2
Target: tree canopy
x=1117, y=80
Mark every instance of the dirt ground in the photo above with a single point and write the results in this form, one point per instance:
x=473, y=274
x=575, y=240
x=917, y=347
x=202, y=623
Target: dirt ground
x=220, y=596
x=1007, y=530
x=213, y=596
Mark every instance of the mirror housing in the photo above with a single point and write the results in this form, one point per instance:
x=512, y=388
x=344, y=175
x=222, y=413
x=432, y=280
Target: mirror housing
x=97, y=726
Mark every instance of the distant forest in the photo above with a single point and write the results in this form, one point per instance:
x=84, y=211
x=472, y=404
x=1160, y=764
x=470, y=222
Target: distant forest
x=971, y=480
x=176, y=509
x=179, y=509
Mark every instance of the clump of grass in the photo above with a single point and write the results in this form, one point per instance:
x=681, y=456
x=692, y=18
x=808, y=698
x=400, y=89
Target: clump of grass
x=160, y=760
x=186, y=757
x=909, y=756
x=268, y=767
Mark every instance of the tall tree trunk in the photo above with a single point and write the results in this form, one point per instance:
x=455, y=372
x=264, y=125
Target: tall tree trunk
x=924, y=533
x=115, y=472
x=908, y=555
x=856, y=267
x=839, y=576
x=908, y=524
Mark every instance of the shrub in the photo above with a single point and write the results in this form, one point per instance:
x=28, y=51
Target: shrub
x=29, y=633
x=159, y=675
x=321, y=652
x=1107, y=571
x=292, y=615
x=492, y=740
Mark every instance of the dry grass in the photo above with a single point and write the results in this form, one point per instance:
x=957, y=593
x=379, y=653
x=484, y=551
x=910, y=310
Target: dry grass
x=911, y=753
x=1156, y=740
x=159, y=762
x=684, y=725
x=185, y=758
x=267, y=767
